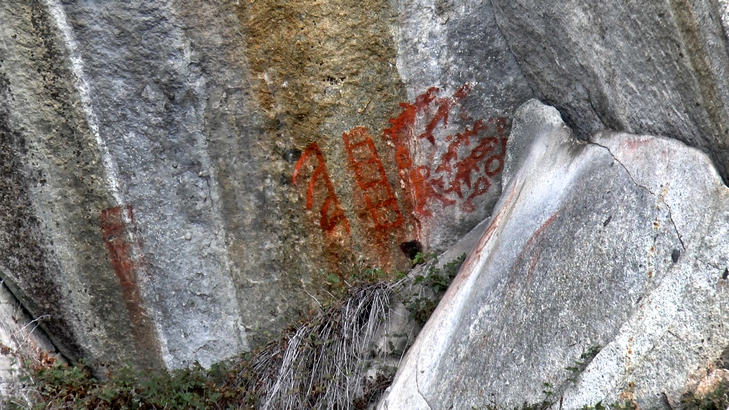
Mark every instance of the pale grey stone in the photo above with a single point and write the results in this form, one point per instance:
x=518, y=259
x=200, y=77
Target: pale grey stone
x=654, y=67
x=147, y=204
x=580, y=253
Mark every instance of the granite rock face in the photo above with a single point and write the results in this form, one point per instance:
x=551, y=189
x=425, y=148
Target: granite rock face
x=611, y=253
x=179, y=178
x=654, y=67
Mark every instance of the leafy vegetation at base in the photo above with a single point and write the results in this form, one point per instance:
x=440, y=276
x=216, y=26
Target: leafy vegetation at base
x=437, y=281
x=325, y=362
x=74, y=387
x=329, y=357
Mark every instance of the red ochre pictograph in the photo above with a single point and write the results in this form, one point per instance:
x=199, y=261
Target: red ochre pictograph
x=115, y=223
x=120, y=238
x=331, y=211
x=460, y=174
x=380, y=201
x=439, y=166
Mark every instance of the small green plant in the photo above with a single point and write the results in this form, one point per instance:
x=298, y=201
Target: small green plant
x=615, y=406
x=437, y=280
x=421, y=308
x=548, y=393
x=580, y=365
x=421, y=258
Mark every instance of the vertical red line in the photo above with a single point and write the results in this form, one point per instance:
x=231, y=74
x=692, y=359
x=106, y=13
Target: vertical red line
x=117, y=227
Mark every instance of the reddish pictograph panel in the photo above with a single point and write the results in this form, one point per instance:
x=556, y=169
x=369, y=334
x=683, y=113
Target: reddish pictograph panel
x=443, y=157
x=380, y=200
x=456, y=176
x=321, y=189
x=115, y=225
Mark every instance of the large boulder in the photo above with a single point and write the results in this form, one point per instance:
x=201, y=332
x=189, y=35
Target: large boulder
x=603, y=275
x=655, y=67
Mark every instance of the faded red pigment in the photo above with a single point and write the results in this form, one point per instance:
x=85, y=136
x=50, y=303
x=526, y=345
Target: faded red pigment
x=456, y=176
x=444, y=179
x=380, y=200
x=331, y=212
x=120, y=238
x=114, y=229
x=530, y=245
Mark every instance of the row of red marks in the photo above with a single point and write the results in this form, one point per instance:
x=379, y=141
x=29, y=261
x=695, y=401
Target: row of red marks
x=460, y=174
x=457, y=176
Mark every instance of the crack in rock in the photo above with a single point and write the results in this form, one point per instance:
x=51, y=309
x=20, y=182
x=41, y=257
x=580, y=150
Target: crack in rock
x=670, y=213
x=417, y=387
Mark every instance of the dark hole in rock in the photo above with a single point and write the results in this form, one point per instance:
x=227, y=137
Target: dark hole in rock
x=675, y=255
x=411, y=248
x=292, y=155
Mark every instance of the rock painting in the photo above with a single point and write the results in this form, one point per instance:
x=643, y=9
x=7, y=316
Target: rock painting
x=442, y=162
x=450, y=177
x=125, y=252
x=379, y=198
x=321, y=190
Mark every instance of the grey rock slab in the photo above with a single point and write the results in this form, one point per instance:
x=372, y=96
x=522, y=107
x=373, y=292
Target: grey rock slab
x=149, y=93
x=618, y=243
x=149, y=207
x=116, y=233
x=656, y=67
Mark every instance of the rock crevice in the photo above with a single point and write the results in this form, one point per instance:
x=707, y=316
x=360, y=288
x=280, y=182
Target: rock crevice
x=653, y=194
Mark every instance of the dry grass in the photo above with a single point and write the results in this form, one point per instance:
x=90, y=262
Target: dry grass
x=327, y=362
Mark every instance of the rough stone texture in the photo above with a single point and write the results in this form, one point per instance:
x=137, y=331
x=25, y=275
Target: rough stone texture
x=620, y=242
x=21, y=343
x=180, y=177
x=53, y=255
x=148, y=88
x=657, y=67
x=448, y=44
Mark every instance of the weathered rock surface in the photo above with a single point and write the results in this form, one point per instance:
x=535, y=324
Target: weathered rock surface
x=22, y=345
x=179, y=177
x=654, y=67
x=620, y=242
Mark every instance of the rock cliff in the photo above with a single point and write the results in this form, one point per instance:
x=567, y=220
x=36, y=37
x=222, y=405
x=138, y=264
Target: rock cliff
x=181, y=178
